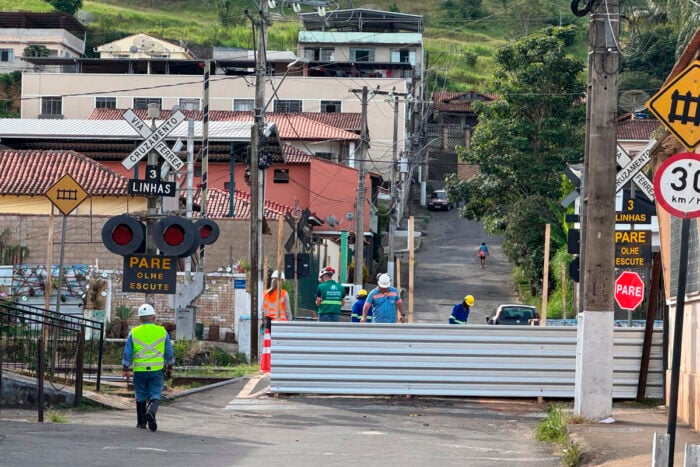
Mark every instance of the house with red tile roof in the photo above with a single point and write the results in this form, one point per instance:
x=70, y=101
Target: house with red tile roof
x=450, y=124
x=26, y=175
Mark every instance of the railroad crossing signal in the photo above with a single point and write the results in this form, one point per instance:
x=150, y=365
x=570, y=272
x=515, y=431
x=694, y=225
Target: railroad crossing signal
x=66, y=194
x=154, y=139
x=299, y=230
x=677, y=106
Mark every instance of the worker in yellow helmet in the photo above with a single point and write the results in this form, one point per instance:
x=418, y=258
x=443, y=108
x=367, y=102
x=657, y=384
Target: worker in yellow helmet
x=356, y=315
x=460, y=312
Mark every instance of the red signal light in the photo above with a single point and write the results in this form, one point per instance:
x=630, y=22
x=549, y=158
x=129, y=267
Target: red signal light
x=174, y=235
x=124, y=235
x=208, y=231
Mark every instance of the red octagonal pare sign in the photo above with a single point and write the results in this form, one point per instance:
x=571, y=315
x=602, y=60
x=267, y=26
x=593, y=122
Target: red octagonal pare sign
x=629, y=290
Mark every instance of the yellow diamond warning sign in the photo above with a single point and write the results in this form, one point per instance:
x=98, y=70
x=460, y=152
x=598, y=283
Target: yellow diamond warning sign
x=677, y=106
x=66, y=194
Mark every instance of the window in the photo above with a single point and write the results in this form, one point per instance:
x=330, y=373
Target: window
x=243, y=105
x=403, y=56
x=189, y=104
x=281, y=176
x=326, y=155
x=322, y=54
x=5, y=55
x=142, y=102
x=361, y=55
x=288, y=106
x=105, y=102
x=330, y=106
x=52, y=106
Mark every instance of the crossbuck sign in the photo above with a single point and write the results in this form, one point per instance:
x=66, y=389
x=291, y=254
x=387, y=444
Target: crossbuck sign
x=631, y=169
x=154, y=140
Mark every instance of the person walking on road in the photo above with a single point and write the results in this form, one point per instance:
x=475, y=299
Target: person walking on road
x=356, y=315
x=329, y=296
x=482, y=253
x=149, y=348
x=460, y=312
x=384, y=301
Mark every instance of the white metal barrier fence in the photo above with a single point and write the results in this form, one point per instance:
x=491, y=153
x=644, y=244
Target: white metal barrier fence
x=444, y=360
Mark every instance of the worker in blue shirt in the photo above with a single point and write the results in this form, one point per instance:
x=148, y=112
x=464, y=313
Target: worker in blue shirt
x=149, y=348
x=356, y=315
x=460, y=312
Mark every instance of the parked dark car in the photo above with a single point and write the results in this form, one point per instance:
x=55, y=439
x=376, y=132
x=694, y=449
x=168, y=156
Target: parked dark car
x=439, y=200
x=512, y=314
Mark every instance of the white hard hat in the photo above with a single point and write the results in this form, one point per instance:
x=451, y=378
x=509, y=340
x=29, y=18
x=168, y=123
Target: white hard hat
x=384, y=281
x=146, y=310
x=275, y=275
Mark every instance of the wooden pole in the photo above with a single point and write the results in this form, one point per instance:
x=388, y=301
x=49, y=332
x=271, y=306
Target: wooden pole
x=49, y=261
x=564, y=285
x=280, y=232
x=652, y=304
x=411, y=261
x=545, y=274
x=398, y=284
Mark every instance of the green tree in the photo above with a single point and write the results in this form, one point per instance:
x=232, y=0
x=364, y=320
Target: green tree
x=523, y=142
x=66, y=6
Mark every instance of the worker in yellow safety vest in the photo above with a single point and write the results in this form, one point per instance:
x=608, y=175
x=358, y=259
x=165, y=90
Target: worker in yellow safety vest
x=149, y=347
x=275, y=300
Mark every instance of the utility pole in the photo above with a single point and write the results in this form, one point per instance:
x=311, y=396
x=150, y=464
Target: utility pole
x=360, y=210
x=394, y=210
x=151, y=201
x=257, y=195
x=594, y=379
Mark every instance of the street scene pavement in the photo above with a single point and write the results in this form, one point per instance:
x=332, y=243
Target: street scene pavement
x=238, y=424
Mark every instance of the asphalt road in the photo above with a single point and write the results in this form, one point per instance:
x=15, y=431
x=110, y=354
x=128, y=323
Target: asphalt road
x=238, y=425
x=447, y=269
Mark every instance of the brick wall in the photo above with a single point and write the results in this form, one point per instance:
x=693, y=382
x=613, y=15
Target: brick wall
x=83, y=241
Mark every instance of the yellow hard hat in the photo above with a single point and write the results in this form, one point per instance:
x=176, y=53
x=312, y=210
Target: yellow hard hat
x=362, y=293
x=469, y=300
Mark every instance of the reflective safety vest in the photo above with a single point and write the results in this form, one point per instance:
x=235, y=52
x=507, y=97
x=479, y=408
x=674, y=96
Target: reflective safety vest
x=149, y=347
x=331, y=294
x=269, y=305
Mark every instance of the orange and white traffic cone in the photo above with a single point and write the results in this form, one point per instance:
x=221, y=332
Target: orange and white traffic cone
x=266, y=357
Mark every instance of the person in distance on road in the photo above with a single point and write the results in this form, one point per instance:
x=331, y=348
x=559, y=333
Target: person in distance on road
x=482, y=253
x=148, y=346
x=460, y=312
x=384, y=300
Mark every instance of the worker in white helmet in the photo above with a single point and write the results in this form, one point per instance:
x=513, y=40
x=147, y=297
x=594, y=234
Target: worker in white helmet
x=149, y=348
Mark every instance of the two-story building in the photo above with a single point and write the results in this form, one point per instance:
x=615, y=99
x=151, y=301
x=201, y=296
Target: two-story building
x=55, y=34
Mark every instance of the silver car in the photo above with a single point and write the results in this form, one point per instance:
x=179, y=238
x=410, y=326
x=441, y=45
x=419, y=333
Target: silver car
x=514, y=314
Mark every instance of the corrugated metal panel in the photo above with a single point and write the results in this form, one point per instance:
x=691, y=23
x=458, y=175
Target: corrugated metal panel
x=339, y=37
x=113, y=129
x=444, y=360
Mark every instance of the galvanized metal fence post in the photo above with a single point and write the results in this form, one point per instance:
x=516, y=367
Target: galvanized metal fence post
x=40, y=378
x=79, y=366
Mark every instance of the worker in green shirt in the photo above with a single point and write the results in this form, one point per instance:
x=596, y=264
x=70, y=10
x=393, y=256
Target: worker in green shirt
x=329, y=296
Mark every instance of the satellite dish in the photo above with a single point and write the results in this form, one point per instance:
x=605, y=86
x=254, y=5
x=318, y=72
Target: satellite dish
x=332, y=221
x=84, y=17
x=133, y=49
x=633, y=101
x=349, y=216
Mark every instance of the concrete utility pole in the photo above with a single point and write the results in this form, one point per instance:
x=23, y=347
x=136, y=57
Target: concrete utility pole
x=257, y=195
x=594, y=352
x=360, y=209
x=394, y=210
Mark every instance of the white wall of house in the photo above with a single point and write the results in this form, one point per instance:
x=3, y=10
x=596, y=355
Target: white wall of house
x=13, y=41
x=75, y=96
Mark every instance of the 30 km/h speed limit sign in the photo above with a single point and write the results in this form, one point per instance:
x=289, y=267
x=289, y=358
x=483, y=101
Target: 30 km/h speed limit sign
x=677, y=185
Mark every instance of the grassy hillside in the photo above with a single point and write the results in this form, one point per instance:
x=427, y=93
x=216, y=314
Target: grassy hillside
x=459, y=47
